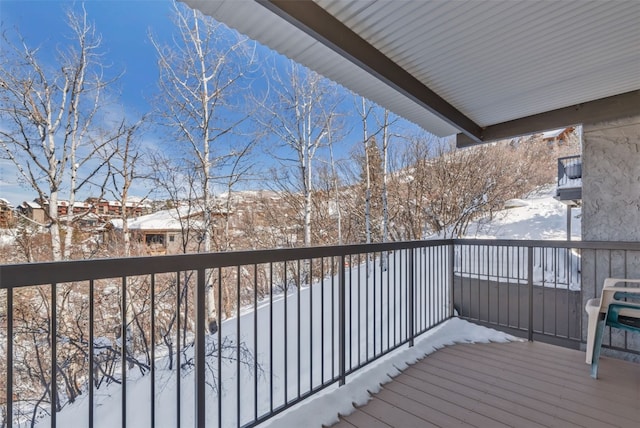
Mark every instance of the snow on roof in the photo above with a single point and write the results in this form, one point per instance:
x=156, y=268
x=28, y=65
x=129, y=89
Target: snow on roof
x=4, y=201
x=165, y=220
x=137, y=200
x=117, y=223
x=32, y=204
x=553, y=133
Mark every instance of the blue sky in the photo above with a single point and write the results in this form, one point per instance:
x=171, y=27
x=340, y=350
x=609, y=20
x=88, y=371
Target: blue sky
x=124, y=26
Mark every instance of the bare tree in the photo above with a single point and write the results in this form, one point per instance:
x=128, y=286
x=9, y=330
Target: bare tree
x=124, y=156
x=50, y=114
x=335, y=187
x=300, y=112
x=446, y=188
x=198, y=75
x=367, y=108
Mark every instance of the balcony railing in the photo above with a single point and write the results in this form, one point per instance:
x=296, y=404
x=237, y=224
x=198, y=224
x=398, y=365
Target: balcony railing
x=569, y=178
x=137, y=335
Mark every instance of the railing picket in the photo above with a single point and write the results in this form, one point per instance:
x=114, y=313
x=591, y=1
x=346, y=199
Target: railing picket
x=350, y=314
x=53, y=328
x=255, y=341
x=530, y=287
x=200, y=362
x=219, y=315
x=543, y=263
x=123, y=349
x=310, y=324
x=508, y=286
x=359, y=311
x=341, y=322
x=91, y=351
x=178, y=347
x=451, y=263
x=9, y=383
x=384, y=259
x=411, y=296
x=238, y=336
x=333, y=317
x=152, y=373
x=270, y=342
x=366, y=307
x=286, y=336
x=298, y=321
x=322, y=320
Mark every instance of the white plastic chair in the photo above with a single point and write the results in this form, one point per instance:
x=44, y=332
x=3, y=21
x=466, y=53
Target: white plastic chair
x=597, y=308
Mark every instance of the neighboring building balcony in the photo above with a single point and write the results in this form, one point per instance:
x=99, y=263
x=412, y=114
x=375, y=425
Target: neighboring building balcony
x=234, y=339
x=569, y=189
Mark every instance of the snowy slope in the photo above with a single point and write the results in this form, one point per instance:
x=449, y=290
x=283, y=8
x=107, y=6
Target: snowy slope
x=539, y=216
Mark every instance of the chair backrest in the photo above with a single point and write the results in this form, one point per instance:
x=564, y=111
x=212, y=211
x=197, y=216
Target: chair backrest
x=630, y=296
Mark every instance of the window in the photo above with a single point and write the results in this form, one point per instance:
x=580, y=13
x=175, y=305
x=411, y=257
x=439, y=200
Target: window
x=154, y=239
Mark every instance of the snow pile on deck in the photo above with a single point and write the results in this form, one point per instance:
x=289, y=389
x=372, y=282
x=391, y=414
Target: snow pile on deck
x=326, y=406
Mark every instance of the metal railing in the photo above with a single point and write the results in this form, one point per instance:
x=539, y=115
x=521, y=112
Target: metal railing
x=232, y=339
x=570, y=171
x=538, y=289
x=224, y=339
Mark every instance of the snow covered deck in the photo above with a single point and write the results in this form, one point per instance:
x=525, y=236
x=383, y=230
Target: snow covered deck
x=505, y=384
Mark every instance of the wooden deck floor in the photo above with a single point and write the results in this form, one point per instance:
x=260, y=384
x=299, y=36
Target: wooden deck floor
x=518, y=384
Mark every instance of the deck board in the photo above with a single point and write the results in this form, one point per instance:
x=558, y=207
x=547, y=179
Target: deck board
x=516, y=384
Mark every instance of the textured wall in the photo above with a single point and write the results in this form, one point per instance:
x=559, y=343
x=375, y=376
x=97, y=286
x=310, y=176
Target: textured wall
x=611, y=181
x=611, y=208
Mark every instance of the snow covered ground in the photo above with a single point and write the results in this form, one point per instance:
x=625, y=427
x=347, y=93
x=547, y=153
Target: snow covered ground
x=539, y=216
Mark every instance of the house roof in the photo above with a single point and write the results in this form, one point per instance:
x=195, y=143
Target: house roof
x=484, y=70
x=165, y=220
x=31, y=204
x=553, y=133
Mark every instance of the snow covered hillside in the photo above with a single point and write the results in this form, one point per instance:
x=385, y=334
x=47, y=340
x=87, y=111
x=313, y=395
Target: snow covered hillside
x=539, y=216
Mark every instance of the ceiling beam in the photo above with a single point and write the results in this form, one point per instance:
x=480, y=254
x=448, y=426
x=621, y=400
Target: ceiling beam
x=324, y=27
x=604, y=109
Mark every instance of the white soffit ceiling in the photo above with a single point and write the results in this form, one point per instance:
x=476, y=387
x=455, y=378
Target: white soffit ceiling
x=258, y=23
x=494, y=61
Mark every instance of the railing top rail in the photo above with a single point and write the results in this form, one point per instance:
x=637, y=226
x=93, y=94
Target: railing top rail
x=586, y=245
x=19, y=275
x=569, y=157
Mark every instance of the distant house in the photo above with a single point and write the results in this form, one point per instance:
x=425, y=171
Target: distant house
x=134, y=207
x=6, y=214
x=33, y=211
x=162, y=232
x=93, y=211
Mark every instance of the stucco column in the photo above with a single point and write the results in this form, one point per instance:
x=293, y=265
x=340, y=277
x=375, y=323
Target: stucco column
x=611, y=205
